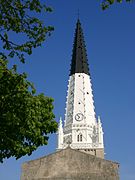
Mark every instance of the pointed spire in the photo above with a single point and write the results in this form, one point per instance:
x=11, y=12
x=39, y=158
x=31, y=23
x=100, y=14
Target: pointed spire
x=99, y=121
x=79, y=63
x=60, y=123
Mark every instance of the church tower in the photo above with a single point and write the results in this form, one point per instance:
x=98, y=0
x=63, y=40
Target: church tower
x=81, y=130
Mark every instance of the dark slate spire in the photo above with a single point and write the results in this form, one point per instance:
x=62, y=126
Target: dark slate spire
x=79, y=63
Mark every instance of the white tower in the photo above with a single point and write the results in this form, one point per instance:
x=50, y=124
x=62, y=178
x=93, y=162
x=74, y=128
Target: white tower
x=81, y=129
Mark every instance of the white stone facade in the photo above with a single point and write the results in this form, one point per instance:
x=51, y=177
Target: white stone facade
x=81, y=129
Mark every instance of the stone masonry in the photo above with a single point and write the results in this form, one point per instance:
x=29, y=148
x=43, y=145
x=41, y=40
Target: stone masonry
x=70, y=164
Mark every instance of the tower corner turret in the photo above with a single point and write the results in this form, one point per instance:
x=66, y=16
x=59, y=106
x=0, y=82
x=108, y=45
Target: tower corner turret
x=60, y=134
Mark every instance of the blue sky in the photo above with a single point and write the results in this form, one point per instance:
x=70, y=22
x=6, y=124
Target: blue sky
x=110, y=42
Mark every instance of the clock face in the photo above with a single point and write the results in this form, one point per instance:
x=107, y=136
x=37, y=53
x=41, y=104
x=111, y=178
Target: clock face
x=79, y=117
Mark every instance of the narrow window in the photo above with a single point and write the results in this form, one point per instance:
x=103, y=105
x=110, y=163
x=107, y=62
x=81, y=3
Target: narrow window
x=78, y=138
x=81, y=137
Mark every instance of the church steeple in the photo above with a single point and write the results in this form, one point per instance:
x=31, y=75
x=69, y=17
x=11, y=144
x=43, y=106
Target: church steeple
x=79, y=63
x=81, y=129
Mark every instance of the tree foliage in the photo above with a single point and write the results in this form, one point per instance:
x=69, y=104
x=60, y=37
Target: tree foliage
x=21, y=18
x=25, y=118
x=106, y=3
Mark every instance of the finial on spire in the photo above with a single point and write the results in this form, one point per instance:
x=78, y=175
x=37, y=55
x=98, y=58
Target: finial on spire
x=78, y=14
x=60, y=121
x=99, y=121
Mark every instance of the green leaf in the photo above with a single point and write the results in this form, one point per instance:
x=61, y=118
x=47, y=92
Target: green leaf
x=26, y=119
x=21, y=17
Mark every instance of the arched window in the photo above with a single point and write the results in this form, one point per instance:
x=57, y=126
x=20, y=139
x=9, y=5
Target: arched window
x=79, y=138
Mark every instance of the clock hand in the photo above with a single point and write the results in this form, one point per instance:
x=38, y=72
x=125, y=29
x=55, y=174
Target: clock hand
x=78, y=116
